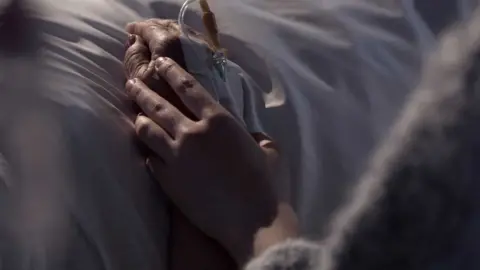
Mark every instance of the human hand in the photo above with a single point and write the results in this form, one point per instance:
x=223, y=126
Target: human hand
x=218, y=175
x=151, y=39
x=163, y=37
x=189, y=246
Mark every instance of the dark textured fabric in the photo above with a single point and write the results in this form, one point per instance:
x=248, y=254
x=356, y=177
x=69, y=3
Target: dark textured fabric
x=291, y=255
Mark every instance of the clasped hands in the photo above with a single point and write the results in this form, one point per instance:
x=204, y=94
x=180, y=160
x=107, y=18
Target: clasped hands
x=217, y=174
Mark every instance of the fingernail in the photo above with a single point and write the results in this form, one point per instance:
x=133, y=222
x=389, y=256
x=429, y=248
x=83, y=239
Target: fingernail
x=131, y=40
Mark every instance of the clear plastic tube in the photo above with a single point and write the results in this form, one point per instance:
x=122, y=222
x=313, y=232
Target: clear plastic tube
x=181, y=18
x=219, y=56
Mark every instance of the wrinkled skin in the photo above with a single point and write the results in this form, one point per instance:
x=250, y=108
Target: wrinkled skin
x=214, y=171
x=190, y=248
x=149, y=40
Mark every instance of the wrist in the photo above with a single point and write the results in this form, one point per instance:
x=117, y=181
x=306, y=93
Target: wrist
x=284, y=227
x=258, y=236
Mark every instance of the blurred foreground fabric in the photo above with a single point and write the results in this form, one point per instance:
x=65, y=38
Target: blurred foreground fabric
x=334, y=75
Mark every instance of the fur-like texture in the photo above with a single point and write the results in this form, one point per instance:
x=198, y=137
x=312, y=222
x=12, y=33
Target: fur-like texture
x=293, y=254
x=417, y=207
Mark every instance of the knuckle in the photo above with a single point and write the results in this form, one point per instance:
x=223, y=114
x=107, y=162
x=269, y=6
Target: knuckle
x=153, y=21
x=185, y=85
x=217, y=119
x=132, y=88
x=166, y=27
x=152, y=27
x=160, y=34
x=164, y=62
x=158, y=107
x=165, y=65
x=142, y=127
x=165, y=115
x=210, y=113
x=192, y=135
x=185, y=130
x=158, y=22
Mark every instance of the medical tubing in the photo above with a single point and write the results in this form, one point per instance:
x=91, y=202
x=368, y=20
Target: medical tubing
x=209, y=21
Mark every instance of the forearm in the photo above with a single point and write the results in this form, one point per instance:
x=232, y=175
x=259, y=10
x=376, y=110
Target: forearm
x=283, y=226
x=190, y=248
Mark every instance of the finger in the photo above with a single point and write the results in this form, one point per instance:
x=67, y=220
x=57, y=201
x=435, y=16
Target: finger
x=189, y=90
x=160, y=35
x=154, y=137
x=171, y=26
x=156, y=107
x=137, y=59
x=147, y=28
